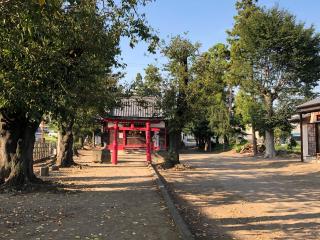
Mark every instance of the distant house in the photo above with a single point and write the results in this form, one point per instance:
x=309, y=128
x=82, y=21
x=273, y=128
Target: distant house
x=309, y=119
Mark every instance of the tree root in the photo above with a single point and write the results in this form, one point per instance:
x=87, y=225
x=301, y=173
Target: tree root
x=20, y=182
x=35, y=186
x=71, y=164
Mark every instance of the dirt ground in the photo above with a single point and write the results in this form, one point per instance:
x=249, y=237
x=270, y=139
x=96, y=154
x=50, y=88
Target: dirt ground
x=229, y=196
x=101, y=201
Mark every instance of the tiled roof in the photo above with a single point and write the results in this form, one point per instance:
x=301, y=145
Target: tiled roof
x=136, y=107
x=296, y=118
x=313, y=102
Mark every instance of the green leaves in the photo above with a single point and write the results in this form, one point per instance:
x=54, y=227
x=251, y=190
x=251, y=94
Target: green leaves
x=275, y=60
x=208, y=90
x=181, y=53
x=279, y=50
x=151, y=85
x=250, y=110
x=58, y=58
x=42, y=2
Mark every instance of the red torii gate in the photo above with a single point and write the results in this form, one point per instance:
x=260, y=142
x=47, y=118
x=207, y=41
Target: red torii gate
x=114, y=146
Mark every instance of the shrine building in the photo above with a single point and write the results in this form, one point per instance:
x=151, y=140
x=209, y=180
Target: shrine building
x=310, y=129
x=137, y=124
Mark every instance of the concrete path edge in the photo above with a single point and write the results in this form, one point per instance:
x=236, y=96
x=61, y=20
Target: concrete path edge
x=177, y=218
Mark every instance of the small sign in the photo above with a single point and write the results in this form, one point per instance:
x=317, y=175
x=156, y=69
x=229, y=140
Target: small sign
x=315, y=117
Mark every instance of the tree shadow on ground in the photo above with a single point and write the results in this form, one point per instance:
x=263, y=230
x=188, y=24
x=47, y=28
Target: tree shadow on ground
x=124, y=206
x=220, y=181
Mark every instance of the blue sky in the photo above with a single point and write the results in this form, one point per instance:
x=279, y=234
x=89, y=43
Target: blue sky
x=206, y=21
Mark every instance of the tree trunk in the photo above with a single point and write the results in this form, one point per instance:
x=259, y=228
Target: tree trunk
x=93, y=139
x=225, y=142
x=10, y=132
x=81, y=141
x=201, y=144
x=270, y=149
x=65, y=155
x=17, y=143
x=230, y=100
x=206, y=146
x=28, y=147
x=17, y=175
x=209, y=144
x=254, y=141
x=181, y=116
x=174, y=147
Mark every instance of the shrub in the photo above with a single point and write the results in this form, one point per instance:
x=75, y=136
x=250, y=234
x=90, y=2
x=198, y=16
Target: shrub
x=238, y=148
x=292, y=144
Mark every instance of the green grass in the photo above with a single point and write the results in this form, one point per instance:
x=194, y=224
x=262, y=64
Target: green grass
x=216, y=148
x=284, y=147
x=50, y=138
x=237, y=147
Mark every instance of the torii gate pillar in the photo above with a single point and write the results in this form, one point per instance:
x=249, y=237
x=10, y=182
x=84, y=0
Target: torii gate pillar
x=148, y=141
x=114, y=159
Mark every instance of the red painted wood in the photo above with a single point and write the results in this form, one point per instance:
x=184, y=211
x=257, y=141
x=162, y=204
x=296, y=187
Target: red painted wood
x=141, y=146
x=124, y=137
x=111, y=147
x=165, y=139
x=148, y=142
x=132, y=121
x=132, y=146
x=115, y=144
x=135, y=129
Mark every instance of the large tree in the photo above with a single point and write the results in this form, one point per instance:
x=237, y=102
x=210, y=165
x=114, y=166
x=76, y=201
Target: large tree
x=279, y=55
x=150, y=85
x=250, y=110
x=180, y=53
x=137, y=86
x=29, y=47
x=153, y=81
x=211, y=91
x=46, y=56
x=86, y=67
x=90, y=66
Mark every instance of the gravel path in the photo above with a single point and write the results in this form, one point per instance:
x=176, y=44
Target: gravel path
x=229, y=196
x=101, y=202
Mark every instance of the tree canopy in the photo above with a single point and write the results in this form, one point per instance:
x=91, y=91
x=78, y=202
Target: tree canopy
x=56, y=57
x=276, y=57
x=150, y=85
x=181, y=53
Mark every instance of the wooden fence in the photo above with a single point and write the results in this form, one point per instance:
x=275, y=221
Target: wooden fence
x=43, y=150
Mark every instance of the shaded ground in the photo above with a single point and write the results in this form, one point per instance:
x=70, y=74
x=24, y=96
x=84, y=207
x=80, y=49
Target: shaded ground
x=102, y=202
x=229, y=196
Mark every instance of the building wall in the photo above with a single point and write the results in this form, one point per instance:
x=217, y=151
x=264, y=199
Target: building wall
x=312, y=144
x=138, y=139
x=305, y=140
x=309, y=139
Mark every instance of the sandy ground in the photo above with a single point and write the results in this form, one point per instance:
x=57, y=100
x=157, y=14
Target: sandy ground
x=102, y=202
x=229, y=196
